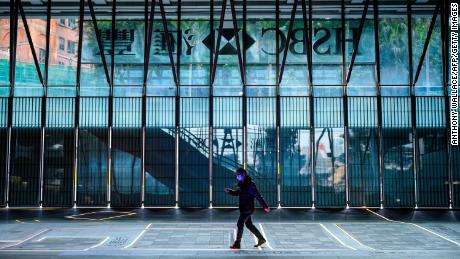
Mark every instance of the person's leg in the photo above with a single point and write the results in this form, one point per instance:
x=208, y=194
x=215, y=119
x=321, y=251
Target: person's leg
x=253, y=229
x=241, y=220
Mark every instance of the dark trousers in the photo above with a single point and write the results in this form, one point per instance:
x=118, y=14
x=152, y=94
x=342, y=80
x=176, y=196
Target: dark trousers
x=245, y=219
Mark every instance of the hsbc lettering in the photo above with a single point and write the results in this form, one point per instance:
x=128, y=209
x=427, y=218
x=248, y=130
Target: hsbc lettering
x=326, y=41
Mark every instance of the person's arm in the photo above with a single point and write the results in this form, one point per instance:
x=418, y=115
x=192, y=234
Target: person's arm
x=232, y=192
x=253, y=190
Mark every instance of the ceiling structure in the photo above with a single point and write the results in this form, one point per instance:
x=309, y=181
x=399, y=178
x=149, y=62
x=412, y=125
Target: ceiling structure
x=193, y=9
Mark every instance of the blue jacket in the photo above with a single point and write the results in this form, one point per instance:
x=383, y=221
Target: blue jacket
x=247, y=192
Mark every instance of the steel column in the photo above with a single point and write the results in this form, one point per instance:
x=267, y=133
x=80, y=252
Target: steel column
x=312, y=104
x=77, y=100
x=43, y=103
x=278, y=105
x=412, y=100
x=345, y=100
x=13, y=41
x=211, y=104
x=379, y=98
x=445, y=80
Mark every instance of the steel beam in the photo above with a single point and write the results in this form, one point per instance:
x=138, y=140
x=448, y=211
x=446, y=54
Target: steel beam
x=379, y=99
x=31, y=43
x=412, y=100
x=168, y=42
x=288, y=39
x=356, y=42
x=219, y=36
x=427, y=41
x=77, y=101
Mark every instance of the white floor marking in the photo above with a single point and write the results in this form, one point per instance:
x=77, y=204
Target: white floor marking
x=265, y=236
x=138, y=236
x=124, y=214
x=336, y=238
x=27, y=239
x=77, y=237
x=160, y=228
x=101, y=243
x=350, y=236
x=427, y=230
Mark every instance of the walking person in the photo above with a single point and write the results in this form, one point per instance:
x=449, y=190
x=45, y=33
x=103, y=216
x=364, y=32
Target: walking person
x=247, y=192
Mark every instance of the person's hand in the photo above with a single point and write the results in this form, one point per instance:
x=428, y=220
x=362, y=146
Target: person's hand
x=267, y=209
x=227, y=190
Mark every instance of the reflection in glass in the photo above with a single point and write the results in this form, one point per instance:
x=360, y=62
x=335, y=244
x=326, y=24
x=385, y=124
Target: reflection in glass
x=194, y=153
x=59, y=153
x=25, y=153
x=126, y=153
x=227, y=148
x=160, y=156
x=295, y=152
x=261, y=142
x=93, y=152
x=4, y=52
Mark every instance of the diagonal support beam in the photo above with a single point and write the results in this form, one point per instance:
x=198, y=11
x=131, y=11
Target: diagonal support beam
x=80, y=41
x=427, y=42
x=219, y=36
x=306, y=34
x=149, y=28
x=99, y=41
x=288, y=39
x=237, y=39
x=48, y=28
x=356, y=42
x=168, y=41
x=31, y=44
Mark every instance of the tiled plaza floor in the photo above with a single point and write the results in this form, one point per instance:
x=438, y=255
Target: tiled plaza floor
x=176, y=233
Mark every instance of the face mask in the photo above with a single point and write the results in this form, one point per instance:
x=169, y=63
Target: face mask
x=240, y=178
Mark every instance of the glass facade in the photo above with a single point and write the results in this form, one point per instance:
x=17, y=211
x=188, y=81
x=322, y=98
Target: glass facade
x=321, y=107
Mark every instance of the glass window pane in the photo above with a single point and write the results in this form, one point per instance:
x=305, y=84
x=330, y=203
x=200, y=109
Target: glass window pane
x=4, y=52
x=432, y=178
x=160, y=156
x=394, y=55
x=3, y=145
x=362, y=77
x=129, y=52
x=160, y=80
x=261, y=49
x=126, y=153
x=27, y=82
x=398, y=173
x=194, y=153
x=59, y=153
x=261, y=142
x=93, y=152
x=295, y=152
x=363, y=164
x=25, y=152
x=93, y=78
x=227, y=148
x=329, y=153
x=195, y=60
x=63, y=55
x=429, y=82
